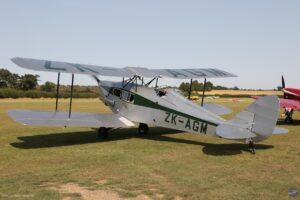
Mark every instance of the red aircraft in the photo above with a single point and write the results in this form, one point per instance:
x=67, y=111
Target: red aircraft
x=290, y=101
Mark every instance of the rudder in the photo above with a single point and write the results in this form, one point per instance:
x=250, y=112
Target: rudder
x=261, y=115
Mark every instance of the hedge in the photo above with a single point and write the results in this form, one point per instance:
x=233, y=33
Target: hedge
x=14, y=93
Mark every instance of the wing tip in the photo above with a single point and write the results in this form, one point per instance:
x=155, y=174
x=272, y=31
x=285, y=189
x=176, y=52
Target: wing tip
x=15, y=60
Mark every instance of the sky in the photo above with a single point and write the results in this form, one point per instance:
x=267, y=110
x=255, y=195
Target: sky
x=258, y=40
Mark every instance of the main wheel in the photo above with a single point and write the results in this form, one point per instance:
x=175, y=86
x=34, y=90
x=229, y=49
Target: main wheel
x=288, y=120
x=103, y=132
x=143, y=129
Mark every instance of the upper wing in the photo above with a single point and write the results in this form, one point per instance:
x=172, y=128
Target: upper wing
x=49, y=118
x=192, y=73
x=54, y=66
x=290, y=103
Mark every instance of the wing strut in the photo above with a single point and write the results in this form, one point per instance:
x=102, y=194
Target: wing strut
x=71, y=97
x=147, y=84
x=190, y=90
x=57, y=91
x=156, y=82
x=129, y=81
x=203, y=93
x=136, y=83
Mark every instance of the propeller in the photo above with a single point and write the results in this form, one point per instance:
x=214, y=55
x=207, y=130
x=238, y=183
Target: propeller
x=282, y=81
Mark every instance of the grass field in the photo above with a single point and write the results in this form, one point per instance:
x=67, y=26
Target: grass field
x=71, y=163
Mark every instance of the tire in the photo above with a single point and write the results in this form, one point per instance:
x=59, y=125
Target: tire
x=288, y=120
x=143, y=129
x=103, y=133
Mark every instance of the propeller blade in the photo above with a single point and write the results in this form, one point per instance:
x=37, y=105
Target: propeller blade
x=282, y=81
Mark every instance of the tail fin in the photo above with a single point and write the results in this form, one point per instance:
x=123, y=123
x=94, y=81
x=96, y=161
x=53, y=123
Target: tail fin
x=259, y=120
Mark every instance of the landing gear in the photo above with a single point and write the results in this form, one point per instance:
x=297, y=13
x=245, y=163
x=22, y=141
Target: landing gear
x=288, y=120
x=288, y=115
x=143, y=129
x=103, y=132
x=251, y=146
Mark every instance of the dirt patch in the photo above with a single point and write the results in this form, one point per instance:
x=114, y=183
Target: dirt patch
x=95, y=194
x=67, y=198
x=177, y=198
x=101, y=181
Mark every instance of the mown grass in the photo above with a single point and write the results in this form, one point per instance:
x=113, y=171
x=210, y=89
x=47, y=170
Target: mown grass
x=35, y=159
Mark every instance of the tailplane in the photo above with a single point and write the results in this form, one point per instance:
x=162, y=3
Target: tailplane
x=257, y=122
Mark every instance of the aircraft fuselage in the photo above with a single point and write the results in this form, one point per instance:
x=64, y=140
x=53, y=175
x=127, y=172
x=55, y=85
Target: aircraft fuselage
x=160, y=108
x=291, y=93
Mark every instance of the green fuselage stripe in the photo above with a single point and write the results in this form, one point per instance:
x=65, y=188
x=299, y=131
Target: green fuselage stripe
x=142, y=101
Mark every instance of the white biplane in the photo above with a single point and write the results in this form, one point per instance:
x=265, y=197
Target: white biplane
x=135, y=103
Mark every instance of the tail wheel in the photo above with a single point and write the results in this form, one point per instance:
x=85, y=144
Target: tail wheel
x=103, y=132
x=251, y=146
x=288, y=120
x=143, y=129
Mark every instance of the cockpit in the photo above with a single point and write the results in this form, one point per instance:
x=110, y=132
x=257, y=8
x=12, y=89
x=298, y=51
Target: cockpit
x=124, y=95
x=161, y=92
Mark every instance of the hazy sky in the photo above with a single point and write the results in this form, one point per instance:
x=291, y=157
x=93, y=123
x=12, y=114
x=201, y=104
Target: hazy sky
x=256, y=40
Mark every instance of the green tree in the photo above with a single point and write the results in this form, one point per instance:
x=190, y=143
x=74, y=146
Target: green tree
x=279, y=88
x=48, y=86
x=3, y=83
x=219, y=87
x=28, y=82
x=235, y=88
x=184, y=87
x=8, y=79
x=209, y=86
x=196, y=86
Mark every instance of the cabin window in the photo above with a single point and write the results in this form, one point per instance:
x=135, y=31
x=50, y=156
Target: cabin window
x=123, y=94
x=127, y=96
x=117, y=92
x=111, y=91
x=131, y=99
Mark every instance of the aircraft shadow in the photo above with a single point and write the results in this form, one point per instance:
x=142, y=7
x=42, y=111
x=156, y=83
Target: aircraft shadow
x=296, y=122
x=157, y=134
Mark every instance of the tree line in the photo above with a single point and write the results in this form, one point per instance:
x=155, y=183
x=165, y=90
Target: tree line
x=13, y=85
x=12, y=80
x=199, y=86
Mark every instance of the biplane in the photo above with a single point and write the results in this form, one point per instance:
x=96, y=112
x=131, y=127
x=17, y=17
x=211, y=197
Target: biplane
x=290, y=102
x=137, y=103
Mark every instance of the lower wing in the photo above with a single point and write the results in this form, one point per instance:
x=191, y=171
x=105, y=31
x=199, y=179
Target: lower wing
x=290, y=103
x=217, y=109
x=49, y=118
x=285, y=103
